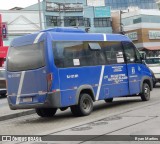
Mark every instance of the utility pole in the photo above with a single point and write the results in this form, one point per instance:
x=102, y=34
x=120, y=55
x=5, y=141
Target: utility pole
x=40, y=18
x=121, y=24
x=121, y=28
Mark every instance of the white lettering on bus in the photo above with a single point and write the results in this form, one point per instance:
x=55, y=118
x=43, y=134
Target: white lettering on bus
x=72, y=76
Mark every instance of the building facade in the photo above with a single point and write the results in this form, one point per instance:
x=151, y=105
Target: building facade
x=143, y=27
x=71, y=13
x=19, y=22
x=125, y=4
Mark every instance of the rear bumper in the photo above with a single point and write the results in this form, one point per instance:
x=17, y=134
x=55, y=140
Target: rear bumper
x=52, y=101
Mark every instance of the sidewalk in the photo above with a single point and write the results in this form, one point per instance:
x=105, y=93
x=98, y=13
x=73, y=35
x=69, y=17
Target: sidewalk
x=6, y=113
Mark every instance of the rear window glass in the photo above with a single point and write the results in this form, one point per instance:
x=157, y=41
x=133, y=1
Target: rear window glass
x=26, y=57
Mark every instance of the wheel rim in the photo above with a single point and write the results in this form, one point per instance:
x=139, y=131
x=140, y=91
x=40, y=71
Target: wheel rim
x=86, y=105
x=146, y=91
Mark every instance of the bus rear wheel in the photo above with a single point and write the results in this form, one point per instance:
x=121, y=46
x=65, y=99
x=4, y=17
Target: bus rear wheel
x=109, y=100
x=145, y=95
x=46, y=112
x=84, y=107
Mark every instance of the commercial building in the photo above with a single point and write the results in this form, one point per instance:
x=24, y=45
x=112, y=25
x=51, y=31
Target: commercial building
x=125, y=4
x=143, y=27
x=91, y=15
x=19, y=22
x=80, y=14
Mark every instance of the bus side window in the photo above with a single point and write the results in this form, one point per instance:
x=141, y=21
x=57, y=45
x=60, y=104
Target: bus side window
x=96, y=56
x=129, y=50
x=113, y=52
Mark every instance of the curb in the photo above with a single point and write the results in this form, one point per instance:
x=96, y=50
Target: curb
x=15, y=115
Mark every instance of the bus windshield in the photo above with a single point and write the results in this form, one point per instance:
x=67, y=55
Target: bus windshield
x=26, y=57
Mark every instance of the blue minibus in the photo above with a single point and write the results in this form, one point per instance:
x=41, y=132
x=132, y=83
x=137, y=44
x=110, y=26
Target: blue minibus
x=67, y=67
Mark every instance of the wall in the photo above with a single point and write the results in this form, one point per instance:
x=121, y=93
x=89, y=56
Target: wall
x=142, y=29
x=20, y=22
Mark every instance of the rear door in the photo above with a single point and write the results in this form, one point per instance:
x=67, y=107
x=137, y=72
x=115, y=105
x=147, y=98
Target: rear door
x=26, y=73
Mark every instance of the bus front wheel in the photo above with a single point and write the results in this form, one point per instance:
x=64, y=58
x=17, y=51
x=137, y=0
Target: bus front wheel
x=46, y=112
x=84, y=107
x=145, y=95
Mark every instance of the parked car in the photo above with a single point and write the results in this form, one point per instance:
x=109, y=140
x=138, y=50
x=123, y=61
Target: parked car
x=154, y=64
x=3, y=90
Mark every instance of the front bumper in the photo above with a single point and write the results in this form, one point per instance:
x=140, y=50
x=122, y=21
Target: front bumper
x=157, y=77
x=52, y=100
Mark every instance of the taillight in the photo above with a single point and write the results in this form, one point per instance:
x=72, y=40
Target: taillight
x=49, y=81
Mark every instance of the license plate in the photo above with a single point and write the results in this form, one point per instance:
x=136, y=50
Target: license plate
x=28, y=99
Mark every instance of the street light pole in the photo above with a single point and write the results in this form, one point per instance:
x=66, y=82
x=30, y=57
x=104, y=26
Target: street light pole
x=121, y=24
x=40, y=18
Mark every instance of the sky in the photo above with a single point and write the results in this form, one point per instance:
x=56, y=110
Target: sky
x=8, y=4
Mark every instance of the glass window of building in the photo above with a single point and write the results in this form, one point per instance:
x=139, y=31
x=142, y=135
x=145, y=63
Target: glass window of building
x=124, y=4
x=73, y=21
x=102, y=22
x=141, y=19
x=76, y=21
x=87, y=22
x=52, y=21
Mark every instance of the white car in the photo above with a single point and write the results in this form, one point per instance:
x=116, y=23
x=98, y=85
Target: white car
x=2, y=82
x=154, y=64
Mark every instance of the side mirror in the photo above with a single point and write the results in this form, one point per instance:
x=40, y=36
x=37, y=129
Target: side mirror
x=143, y=56
x=143, y=61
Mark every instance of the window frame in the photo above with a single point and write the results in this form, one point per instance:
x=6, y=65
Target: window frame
x=135, y=53
x=56, y=19
x=43, y=53
x=101, y=57
x=102, y=22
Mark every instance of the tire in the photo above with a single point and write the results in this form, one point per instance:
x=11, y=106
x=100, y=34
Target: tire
x=109, y=100
x=3, y=95
x=154, y=85
x=145, y=95
x=84, y=107
x=46, y=112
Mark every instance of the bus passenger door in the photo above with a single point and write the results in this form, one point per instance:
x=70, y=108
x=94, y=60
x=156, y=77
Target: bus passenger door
x=115, y=73
x=133, y=66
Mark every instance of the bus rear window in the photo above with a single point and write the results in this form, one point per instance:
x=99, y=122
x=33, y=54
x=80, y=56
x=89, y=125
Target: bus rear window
x=26, y=57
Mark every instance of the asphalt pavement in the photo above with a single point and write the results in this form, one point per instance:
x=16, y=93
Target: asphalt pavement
x=124, y=117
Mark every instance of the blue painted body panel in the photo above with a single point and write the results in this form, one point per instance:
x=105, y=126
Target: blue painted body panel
x=117, y=80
